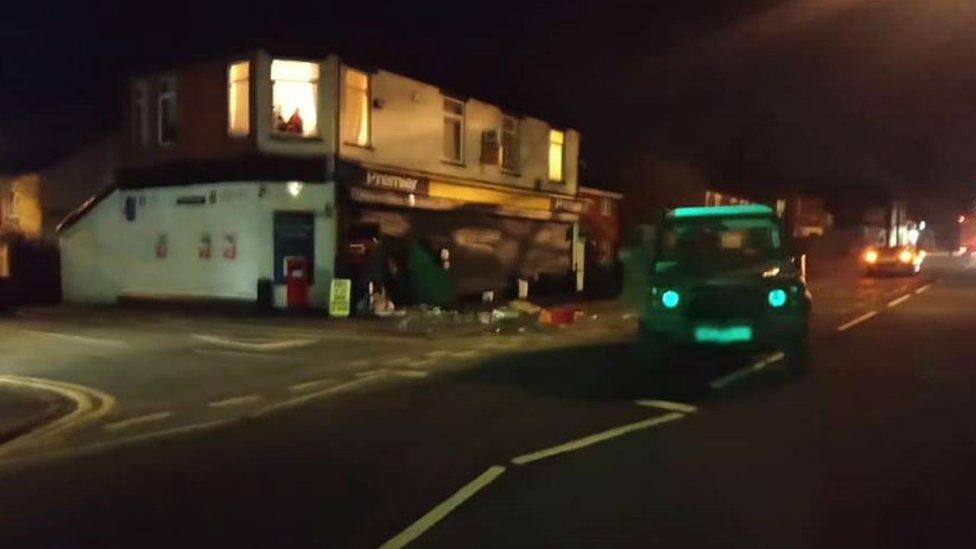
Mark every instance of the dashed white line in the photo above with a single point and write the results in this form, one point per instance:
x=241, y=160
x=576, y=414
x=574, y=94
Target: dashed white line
x=411, y=373
x=437, y=354
x=248, y=354
x=595, y=438
x=898, y=301
x=138, y=420
x=372, y=373
x=397, y=361
x=741, y=373
x=667, y=405
x=309, y=385
x=268, y=346
x=443, y=509
x=923, y=289
x=856, y=321
x=465, y=354
x=329, y=391
x=235, y=401
x=81, y=339
x=420, y=363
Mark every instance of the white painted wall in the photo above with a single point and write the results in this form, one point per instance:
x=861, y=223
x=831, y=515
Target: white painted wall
x=104, y=256
x=407, y=132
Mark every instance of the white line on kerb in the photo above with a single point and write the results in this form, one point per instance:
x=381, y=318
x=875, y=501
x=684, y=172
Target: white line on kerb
x=856, y=321
x=923, y=289
x=731, y=378
x=443, y=509
x=138, y=420
x=668, y=405
x=235, y=401
x=899, y=301
x=595, y=438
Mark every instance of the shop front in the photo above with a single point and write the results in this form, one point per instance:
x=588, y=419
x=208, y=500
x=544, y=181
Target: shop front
x=483, y=238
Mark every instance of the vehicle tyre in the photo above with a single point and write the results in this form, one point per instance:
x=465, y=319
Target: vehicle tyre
x=797, y=355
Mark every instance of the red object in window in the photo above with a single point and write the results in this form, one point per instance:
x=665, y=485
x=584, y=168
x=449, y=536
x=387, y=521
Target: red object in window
x=296, y=281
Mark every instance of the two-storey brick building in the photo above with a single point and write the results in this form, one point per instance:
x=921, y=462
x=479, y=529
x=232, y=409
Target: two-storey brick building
x=231, y=166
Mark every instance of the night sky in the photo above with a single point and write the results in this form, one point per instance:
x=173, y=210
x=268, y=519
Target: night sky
x=848, y=97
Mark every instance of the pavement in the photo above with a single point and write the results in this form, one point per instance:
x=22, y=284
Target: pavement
x=23, y=409
x=202, y=430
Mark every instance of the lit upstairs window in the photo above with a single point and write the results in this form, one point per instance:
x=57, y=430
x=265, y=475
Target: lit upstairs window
x=557, y=144
x=239, y=99
x=453, y=130
x=355, y=108
x=294, y=98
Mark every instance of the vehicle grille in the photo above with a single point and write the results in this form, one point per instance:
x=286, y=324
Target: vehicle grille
x=726, y=303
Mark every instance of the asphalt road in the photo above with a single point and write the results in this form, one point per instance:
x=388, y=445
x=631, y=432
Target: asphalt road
x=230, y=432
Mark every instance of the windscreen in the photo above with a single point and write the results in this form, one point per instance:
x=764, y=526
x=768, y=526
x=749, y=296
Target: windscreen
x=721, y=241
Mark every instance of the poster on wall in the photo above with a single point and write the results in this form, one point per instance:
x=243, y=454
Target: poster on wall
x=230, y=245
x=162, y=246
x=340, y=297
x=203, y=251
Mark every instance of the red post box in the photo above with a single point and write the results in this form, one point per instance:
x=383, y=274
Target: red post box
x=296, y=281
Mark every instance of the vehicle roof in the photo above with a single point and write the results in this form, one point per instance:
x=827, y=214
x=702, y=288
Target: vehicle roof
x=720, y=211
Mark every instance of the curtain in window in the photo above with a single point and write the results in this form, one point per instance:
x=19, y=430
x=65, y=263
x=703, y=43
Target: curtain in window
x=355, y=127
x=295, y=97
x=239, y=99
x=556, y=143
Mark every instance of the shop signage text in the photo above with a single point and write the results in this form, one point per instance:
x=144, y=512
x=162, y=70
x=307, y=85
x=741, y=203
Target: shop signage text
x=394, y=182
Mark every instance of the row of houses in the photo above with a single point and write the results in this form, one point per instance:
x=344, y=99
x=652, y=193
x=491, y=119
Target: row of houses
x=235, y=176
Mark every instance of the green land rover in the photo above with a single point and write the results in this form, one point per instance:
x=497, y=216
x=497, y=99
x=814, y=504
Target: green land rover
x=726, y=276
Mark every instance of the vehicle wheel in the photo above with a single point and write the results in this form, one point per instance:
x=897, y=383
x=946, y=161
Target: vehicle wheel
x=797, y=356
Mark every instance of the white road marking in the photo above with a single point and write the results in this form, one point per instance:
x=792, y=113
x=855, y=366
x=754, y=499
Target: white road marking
x=267, y=346
x=420, y=363
x=443, y=509
x=741, y=373
x=899, y=301
x=856, y=321
x=465, y=354
x=138, y=420
x=90, y=405
x=595, y=438
x=360, y=362
x=668, y=405
x=309, y=385
x=437, y=354
x=397, y=361
x=411, y=373
x=372, y=373
x=236, y=401
x=329, y=391
x=224, y=352
x=923, y=289
x=81, y=339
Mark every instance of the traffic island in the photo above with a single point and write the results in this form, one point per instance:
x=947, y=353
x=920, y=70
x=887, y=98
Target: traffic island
x=24, y=409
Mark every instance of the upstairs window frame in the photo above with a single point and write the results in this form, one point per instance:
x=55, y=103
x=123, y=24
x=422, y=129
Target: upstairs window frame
x=139, y=124
x=363, y=136
x=167, y=94
x=510, y=160
x=453, y=111
x=282, y=120
x=239, y=98
x=557, y=167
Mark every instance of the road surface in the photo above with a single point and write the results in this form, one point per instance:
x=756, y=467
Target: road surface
x=206, y=431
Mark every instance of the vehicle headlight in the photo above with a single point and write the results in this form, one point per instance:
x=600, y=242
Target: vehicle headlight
x=906, y=256
x=670, y=299
x=777, y=298
x=871, y=256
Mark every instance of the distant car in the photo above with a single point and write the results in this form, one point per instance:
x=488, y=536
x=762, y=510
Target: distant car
x=897, y=260
x=726, y=276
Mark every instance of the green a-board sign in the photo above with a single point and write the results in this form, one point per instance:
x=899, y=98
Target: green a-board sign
x=340, y=297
